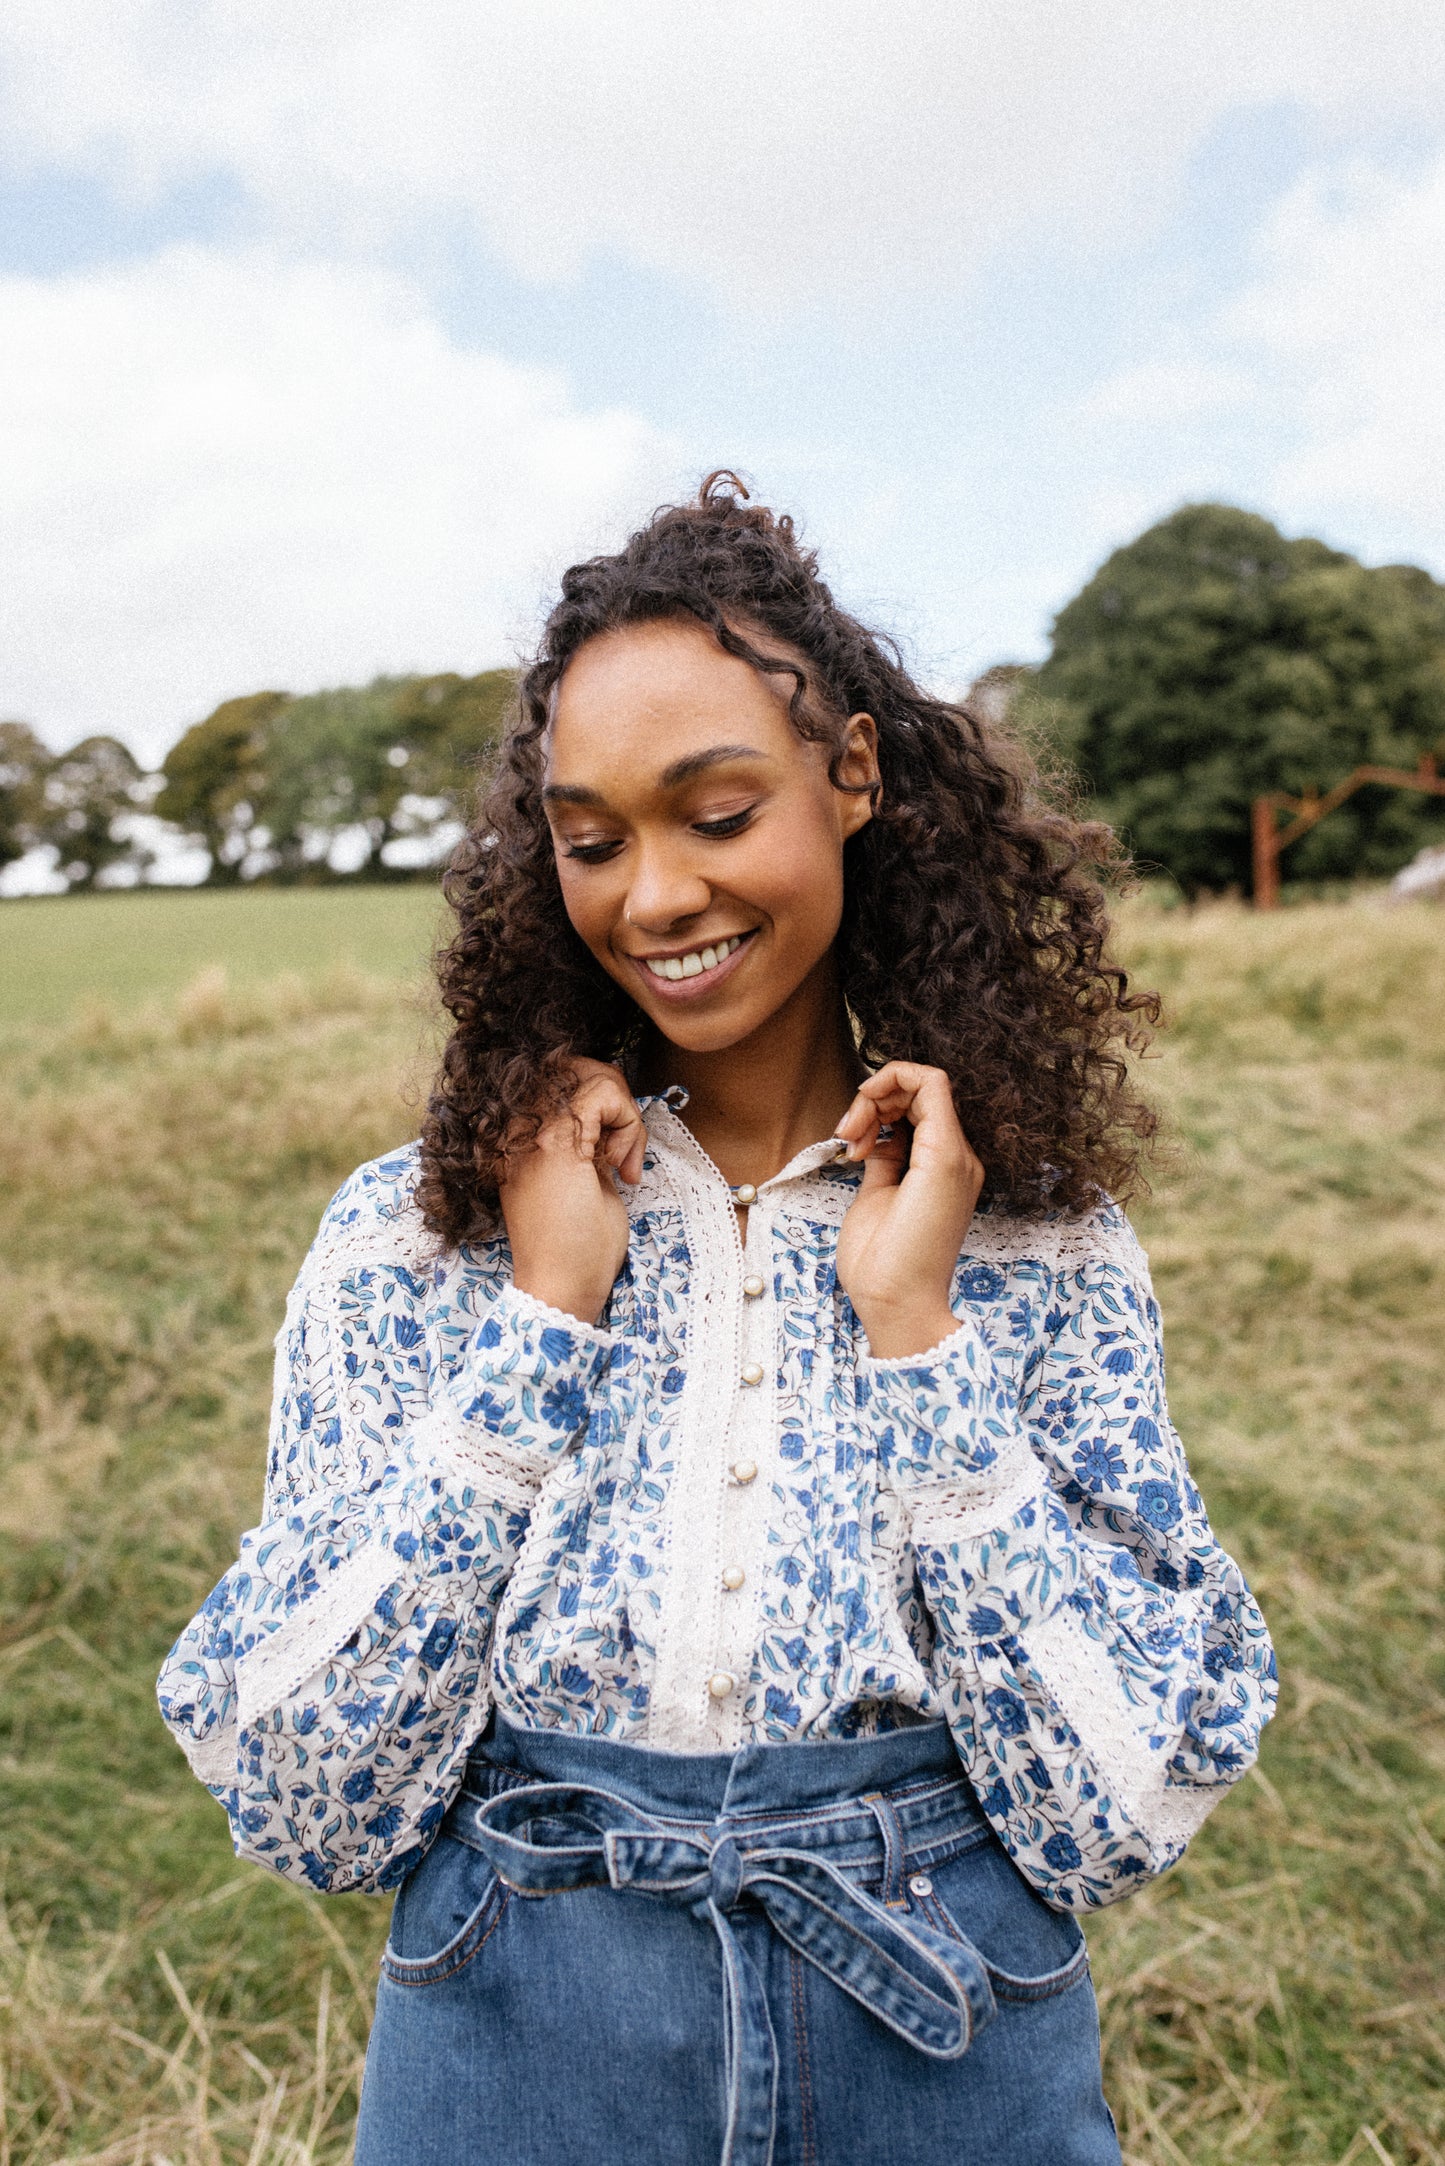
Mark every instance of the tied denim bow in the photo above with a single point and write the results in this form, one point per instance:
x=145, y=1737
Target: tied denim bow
x=929, y=1988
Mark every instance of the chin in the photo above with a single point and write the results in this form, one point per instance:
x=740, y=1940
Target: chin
x=704, y=1034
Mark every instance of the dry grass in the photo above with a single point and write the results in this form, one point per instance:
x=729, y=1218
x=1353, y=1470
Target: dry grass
x=1282, y=1996
x=1279, y=1998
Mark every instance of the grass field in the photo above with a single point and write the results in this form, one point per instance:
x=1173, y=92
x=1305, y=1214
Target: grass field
x=168, y=1136
x=59, y=952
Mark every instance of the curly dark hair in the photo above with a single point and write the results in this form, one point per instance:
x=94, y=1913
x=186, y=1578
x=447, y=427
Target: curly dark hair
x=974, y=926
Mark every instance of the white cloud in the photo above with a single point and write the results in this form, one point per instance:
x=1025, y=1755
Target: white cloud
x=224, y=473
x=1348, y=317
x=1328, y=366
x=826, y=147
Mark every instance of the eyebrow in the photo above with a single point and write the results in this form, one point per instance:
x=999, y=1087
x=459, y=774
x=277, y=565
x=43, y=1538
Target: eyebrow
x=683, y=770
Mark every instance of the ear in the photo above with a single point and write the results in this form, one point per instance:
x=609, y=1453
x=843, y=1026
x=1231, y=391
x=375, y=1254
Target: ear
x=858, y=770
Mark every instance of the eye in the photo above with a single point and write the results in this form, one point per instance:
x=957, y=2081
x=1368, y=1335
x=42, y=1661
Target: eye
x=719, y=830
x=593, y=853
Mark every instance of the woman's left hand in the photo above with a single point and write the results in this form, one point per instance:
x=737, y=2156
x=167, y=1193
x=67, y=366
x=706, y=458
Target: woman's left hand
x=900, y=1240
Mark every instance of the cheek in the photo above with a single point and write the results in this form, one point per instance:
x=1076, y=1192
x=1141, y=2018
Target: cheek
x=799, y=868
x=586, y=902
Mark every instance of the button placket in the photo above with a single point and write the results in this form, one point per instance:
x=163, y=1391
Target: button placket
x=749, y=1452
x=716, y=1517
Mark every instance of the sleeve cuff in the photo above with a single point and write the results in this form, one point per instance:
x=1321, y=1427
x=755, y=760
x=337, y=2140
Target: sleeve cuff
x=946, y=1427
x=546, y=1335
x=522, y=1394
x=892, y=1372
x=521, y=1343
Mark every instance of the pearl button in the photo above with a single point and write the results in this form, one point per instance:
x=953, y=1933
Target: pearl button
x=720, y=1684
x=753, y=1373
x=920, y=1885
x=745, y=1192
x=733, y=1578
x=745, y=1471
x=752, y=1286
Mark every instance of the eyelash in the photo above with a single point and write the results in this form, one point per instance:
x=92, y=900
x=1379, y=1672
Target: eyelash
x=597, y=853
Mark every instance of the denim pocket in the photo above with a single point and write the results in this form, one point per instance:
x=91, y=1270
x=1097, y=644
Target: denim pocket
x=1031, y=1952
x=444, y=1914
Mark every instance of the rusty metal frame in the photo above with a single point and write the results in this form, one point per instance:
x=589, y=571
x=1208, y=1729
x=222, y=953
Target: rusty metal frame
x=1310, y=808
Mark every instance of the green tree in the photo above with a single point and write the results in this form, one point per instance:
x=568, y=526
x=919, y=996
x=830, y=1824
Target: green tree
x=1212, y=659
x=214, y=778
x=90, y=797
x=389, y=763
x=24, y=764
x=448, y=725
x=330, y=772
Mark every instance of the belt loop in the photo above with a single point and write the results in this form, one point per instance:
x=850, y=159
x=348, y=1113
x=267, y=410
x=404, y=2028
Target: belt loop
x=891, y=1892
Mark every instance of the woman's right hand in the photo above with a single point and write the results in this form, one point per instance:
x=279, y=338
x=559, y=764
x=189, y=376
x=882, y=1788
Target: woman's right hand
x=566, y=1219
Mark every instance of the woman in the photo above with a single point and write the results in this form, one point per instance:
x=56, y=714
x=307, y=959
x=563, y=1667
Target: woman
x=726, y=1560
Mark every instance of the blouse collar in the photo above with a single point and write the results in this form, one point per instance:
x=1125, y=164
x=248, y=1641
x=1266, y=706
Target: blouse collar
x=671, y=1138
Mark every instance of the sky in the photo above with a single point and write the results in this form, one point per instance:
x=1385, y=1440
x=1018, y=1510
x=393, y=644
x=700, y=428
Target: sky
x=331, y=333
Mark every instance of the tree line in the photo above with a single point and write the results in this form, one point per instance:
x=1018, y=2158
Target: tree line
x=363, y=781
x=1207, y=662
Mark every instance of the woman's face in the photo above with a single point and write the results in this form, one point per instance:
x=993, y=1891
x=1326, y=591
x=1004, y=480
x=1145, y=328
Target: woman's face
x=699, y=839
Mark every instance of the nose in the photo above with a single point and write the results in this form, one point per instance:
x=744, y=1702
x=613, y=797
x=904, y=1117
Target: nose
x=665, y=890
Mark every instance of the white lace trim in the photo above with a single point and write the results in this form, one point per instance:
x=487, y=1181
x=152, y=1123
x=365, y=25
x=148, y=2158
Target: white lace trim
x=655, y=1190
x=505, y=1474
x=1181, y=1809
x=882, y=1368
x=682, y=1716
x=1061, y=1244
x=523, y=1310
x=273, y=1672
x=212, y=1758
x=962, y=1513
x=1079, y=1677
x=371, y=1242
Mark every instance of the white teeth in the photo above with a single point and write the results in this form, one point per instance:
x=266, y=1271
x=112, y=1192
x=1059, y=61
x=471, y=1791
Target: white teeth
x=693, y=966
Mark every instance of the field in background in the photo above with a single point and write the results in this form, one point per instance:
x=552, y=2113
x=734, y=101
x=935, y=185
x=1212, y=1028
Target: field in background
x=162, y=1164
x=58, y=952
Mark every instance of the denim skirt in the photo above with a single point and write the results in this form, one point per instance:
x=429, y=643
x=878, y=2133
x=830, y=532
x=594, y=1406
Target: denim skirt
x=792, y=1955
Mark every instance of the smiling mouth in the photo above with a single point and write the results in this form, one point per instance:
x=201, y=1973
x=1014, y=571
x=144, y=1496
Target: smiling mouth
x=695, y=971
x=695, y=962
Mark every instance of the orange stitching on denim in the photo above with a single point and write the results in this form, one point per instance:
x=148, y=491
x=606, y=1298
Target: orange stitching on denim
x=441, y=1977
x=805, y=2065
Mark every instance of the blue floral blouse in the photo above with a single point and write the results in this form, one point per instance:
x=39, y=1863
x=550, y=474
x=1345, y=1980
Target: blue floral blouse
x=714, y=1519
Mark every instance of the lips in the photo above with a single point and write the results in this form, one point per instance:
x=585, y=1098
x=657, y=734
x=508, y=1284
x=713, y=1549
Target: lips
x=690, y=975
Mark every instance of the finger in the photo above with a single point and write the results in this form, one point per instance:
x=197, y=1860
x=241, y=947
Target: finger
x=624, y=1142
x=906, y=1081
x=900, y=1090
x=631, y=1166
x=885, y=1165
x=865, y=1115
x=612, y=1122
x=922, y=1096
x=861, y=1134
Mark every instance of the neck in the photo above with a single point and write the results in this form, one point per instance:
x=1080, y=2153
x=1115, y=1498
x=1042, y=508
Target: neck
x=755, y=1105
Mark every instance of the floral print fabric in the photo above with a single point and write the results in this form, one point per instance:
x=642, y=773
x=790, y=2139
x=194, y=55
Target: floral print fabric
x=473, y=1500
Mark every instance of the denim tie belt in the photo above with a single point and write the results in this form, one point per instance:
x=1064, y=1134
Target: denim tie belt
x=931, y=1989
